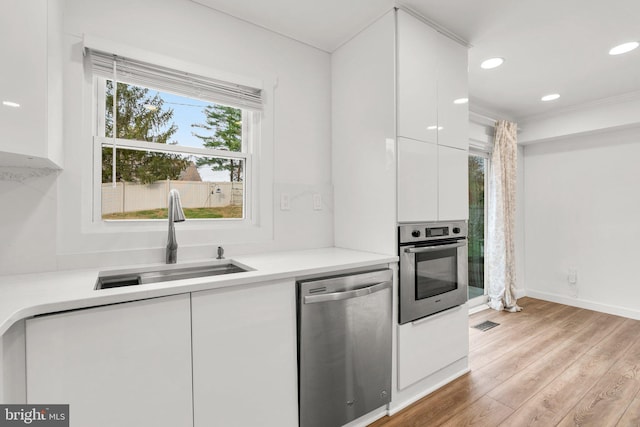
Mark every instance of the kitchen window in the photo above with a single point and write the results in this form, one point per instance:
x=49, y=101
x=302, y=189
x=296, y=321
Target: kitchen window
x=172, y=130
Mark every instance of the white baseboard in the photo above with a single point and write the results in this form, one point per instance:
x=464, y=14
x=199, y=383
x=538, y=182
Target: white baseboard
x=369, y=418
x=589, y=305
x=478, y=308
x=396, y=407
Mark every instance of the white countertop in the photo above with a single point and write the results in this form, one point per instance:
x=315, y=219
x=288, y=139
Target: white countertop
x=27, y=295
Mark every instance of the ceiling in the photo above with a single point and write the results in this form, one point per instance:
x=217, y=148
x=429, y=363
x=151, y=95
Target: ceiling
x=549, y=46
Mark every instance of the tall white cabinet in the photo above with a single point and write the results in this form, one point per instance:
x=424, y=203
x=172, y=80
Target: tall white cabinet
x=400, y=142
x=364, y=140
x=400, y=154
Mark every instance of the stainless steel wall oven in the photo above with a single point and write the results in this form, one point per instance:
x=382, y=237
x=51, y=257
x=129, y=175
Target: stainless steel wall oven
x=433, y=268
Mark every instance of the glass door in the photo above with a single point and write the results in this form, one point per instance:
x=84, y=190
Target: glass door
x=478, y=168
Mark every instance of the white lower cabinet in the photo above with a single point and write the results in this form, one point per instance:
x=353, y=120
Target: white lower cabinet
x=244, y=356
x=430, y=344
x=118, y=365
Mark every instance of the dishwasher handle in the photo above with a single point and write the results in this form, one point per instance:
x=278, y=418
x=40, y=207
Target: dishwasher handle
x=336, y=296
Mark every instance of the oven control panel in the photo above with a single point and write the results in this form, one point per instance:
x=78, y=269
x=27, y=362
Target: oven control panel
x=437, y=231
x=426, y=231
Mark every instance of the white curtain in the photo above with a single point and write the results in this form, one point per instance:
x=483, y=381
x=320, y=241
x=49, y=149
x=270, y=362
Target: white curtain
x=500, y=248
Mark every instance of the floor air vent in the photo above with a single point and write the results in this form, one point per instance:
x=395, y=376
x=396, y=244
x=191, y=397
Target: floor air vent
x=485, y=326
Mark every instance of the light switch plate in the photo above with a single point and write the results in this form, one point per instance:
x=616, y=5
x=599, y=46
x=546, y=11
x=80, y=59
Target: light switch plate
x=317, y=202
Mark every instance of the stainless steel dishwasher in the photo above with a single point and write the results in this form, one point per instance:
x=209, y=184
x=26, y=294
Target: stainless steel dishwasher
x=344, y=347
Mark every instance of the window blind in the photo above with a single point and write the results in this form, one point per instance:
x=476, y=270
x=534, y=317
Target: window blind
x=173, y=81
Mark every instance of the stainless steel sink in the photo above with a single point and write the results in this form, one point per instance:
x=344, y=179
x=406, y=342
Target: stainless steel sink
x=131, y=277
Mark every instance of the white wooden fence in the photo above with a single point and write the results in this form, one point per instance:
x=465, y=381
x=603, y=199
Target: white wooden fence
x=130, y=197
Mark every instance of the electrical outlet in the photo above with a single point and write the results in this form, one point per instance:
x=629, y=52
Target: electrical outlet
x=284, y=202
x=317, y=202
x=572, y=278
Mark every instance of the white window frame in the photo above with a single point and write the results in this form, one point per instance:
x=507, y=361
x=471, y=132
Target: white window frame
x=140, y=242
x=250, y=122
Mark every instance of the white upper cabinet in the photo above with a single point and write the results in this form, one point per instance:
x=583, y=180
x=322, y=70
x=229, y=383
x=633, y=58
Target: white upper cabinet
x=433, y=138
x=453, y=118
x=417, y=181
x=453, y=183
x=30, y=45
x=432, y=182
x=417, y=79
x=432, y=74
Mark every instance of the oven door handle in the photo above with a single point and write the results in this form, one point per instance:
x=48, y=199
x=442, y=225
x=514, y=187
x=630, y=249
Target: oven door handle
x=421, y=249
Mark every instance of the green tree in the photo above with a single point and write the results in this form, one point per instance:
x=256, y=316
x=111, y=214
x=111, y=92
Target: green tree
x=476, y=181
x=477, y=170
x=139, y=116
x=226, y=125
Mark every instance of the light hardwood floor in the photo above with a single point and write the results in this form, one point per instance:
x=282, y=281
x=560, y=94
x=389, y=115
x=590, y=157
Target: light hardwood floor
x=549, y=365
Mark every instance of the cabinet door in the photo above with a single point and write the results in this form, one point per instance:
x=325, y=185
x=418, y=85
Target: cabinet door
x=417, y=180
x=453, y=183
x=430, y=344
x=244, y=356
x=31, y=77
x=118, y=365
x=453, y=119
x=25, y=80
x=417, y=79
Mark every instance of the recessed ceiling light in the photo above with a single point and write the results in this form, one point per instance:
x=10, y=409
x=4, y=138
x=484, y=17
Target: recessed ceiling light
x=623, y=48
x=550, y=97
x=490, y=63
x=461, y=101
x=10, y=104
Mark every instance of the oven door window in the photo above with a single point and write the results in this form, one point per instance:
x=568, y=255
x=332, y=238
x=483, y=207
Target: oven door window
x=436, y=273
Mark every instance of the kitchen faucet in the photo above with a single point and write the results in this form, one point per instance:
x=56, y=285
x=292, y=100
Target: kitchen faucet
x=175, y=214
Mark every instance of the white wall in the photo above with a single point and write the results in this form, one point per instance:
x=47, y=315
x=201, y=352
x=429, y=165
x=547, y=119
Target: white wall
x=598, y=117
x=521, y=260
x=27, y=220
x=191, y=33
x=582, y=207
